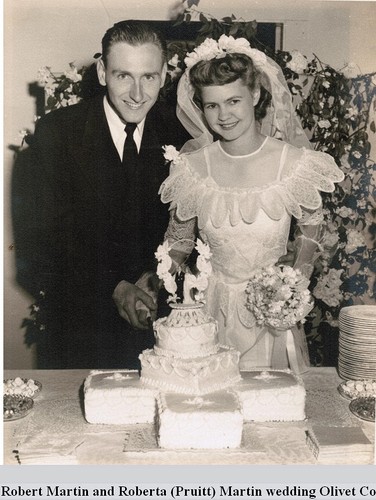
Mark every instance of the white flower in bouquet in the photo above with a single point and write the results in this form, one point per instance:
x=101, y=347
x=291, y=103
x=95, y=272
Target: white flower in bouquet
x=278, y=296
x=284, y=293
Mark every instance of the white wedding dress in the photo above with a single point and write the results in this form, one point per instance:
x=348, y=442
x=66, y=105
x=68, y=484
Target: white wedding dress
x=242, y=206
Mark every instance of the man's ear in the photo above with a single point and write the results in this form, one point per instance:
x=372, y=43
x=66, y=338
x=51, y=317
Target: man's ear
x=101, y=72
x=163, y=74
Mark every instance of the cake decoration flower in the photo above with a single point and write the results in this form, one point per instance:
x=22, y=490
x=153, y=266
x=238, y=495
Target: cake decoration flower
x=163, y=270
x=199, y=402
x=194, y=284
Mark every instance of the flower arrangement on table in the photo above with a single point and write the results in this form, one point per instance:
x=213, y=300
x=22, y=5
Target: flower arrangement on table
x=278, y=296
x=335, y=109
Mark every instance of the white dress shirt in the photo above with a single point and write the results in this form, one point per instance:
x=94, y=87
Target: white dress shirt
x=117, y=129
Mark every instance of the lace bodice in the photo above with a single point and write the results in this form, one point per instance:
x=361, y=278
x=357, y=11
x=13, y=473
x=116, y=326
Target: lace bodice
x=277, y=179
x=244, y=204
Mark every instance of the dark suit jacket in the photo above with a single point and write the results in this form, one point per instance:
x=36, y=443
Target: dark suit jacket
x=92, y=226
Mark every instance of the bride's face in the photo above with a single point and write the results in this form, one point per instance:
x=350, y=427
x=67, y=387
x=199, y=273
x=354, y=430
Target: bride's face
x=229, y=109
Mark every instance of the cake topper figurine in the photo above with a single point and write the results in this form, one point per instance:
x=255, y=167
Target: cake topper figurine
x=194, y=284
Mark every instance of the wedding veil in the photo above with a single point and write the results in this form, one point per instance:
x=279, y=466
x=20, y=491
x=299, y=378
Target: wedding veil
x=280, y=121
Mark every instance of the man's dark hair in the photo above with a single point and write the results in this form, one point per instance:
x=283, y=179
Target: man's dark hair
x=134, y=33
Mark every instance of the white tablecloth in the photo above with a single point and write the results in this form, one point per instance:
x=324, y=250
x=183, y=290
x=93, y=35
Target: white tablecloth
x=56, y=431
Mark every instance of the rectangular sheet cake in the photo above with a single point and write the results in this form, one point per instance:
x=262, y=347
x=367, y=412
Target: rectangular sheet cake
x=117, y=397
x=271, y=395
x=212, y=421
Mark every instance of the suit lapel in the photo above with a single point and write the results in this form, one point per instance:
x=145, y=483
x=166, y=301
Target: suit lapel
x=99, y=159
x=151, y=153
x=105, y=175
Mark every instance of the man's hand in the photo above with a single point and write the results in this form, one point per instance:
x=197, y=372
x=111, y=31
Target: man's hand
x=134, y=305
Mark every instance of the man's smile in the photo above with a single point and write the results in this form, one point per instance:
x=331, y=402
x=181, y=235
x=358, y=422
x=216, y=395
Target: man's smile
x=134, y=105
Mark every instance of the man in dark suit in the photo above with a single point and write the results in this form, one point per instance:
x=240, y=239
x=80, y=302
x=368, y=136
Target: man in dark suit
x=98, y=218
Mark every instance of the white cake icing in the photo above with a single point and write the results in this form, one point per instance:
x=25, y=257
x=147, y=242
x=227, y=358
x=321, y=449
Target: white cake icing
x=273, y=395
x=118, y=397
x=186, y=333
x=191, y=376
x=187, y=358
x=210, y=422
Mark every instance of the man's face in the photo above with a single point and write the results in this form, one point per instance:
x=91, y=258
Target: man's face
x=133, y=76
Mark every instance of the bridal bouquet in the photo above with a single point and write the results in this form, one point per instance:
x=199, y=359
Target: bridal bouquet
x=278, y=296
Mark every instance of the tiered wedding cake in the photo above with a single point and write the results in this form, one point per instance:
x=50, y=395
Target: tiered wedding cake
x=189, y=383
x=187, y=358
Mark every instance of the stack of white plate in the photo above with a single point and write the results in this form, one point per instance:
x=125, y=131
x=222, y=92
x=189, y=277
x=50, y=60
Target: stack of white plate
x=357, y=343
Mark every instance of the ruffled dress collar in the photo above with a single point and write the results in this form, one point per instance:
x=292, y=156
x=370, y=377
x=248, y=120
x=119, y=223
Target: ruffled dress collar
x=195, y=196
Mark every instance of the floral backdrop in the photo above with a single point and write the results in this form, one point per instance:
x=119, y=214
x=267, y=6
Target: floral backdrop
x=335, y=107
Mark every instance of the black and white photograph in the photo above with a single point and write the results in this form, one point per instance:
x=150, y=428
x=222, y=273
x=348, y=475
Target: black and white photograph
x=189, y=236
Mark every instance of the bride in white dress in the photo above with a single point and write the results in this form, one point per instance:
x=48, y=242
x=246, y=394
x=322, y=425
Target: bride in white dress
x=240, y=192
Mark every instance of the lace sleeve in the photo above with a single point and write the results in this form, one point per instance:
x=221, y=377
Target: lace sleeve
x=320, y=170
x=311, y=217
x=307, y=240
x=182, y=235
x=311, y=224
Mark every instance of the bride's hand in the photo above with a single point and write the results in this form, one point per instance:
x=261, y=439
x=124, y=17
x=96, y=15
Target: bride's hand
x=289, y=258
x=134, y=305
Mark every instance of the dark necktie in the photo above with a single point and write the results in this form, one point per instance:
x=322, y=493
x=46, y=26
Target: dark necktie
x=130, y=153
